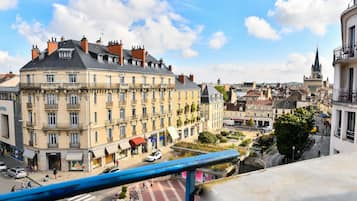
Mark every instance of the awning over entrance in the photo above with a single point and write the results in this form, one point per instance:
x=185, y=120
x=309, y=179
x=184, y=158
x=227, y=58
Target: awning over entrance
x=137, y=141
x=98, y=153
x=124, y=145
x=173, y=133
x=74, y=156
x=29, y=153
x=111, y=148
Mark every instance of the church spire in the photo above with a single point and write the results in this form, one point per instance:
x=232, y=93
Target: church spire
x=317, y=66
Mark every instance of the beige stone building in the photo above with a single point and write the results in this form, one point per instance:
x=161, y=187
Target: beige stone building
x=87, y=106
x=212, y=106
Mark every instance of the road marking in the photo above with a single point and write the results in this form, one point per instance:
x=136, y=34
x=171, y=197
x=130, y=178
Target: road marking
x=138, y=191
x=152, y=194
x=162, y=191
x=82, y=197
x=172, y=187
x=182, y=186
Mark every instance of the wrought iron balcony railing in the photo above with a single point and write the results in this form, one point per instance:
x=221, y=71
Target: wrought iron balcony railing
x=345, y=96
x=79, y=186
x=344, y=53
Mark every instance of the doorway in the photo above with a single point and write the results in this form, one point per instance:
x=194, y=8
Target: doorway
x=54, y=161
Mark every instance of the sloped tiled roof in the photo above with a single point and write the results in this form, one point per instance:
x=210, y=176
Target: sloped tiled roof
x=187, y=85
x=210, y=94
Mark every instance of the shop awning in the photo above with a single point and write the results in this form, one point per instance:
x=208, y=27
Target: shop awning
x=74, y=156
x=124, y=145
x=173, y=133
x=29, y=153
x=111, y=148
x=137, y=141
x=98, y=153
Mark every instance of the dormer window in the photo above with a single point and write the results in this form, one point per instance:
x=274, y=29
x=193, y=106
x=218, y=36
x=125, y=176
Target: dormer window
x=100, y=58
x=65, y=53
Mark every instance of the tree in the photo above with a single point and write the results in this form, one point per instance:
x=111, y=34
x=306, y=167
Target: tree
x=250, y=123
x=292, y=132
x=221, y=90
x=207, y=138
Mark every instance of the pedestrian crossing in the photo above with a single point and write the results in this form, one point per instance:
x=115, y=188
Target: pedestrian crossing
x=82, y=197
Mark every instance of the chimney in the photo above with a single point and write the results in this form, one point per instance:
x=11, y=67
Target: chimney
x=35, y=52
x=84, y=44
x=139, y=53
x=182, y=78
x=191, y=77
x=117, y=49
x=52, y=46
x=170, y=68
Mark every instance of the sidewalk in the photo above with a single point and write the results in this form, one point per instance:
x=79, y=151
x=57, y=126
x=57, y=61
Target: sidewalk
x=38, y=177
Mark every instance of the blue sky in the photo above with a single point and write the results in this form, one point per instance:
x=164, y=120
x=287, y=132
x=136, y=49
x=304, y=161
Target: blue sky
x=235, y=40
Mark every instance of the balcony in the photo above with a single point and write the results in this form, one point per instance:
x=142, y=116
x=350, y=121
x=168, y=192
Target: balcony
x=29, y=105
x=337, y=133
x=123, y=86
x=145, y=86
x=73, y=106
x=52, y=145
x=62, y=127
x=350, y=136
x=109, y=122
x=109, y=139
x=133, y=102
x=51, y=106
x=345, y=96
x=109, y=104
x=121, y=120
x=74, y=145
x=122, y=102
x=144, y=100
x=63, y=190
x=342, y=55
x=145, y=116
x=29, y=124
x=134, y=117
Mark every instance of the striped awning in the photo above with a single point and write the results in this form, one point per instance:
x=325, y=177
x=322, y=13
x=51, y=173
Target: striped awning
x=137, y=141
x=98, y=153
x=124, y=145
x=173, y=133
x=29, y=153
x=110, y=149
x=74, y=156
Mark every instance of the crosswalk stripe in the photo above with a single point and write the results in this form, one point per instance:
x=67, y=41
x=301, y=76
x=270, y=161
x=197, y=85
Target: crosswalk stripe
x=82, y=197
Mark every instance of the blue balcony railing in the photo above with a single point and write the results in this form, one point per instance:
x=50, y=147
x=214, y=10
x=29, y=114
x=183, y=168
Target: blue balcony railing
x=100, y=182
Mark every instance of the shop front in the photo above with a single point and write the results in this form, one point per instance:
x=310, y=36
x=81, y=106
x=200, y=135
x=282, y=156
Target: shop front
x=153, y=141
x=110, y=153
x=138, y=144
x=31, y=158
x=174, y=136
x=9, y=150
x=54, y=160
x=97, y=155
x=162, y=138
x=124, y=149
x=75, y=161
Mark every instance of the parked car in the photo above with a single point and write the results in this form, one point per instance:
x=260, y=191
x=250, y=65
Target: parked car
x=154, y=156
x=17, y=172
x=2, y=166
x=111, y=170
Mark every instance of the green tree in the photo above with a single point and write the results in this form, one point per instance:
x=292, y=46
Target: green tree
x=221, y=90
x=250, y=123
x=207, y=138
x=292, y=130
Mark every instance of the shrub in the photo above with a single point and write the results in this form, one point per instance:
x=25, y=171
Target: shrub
x=122, y=195
x=124, y=189
x=225, y=133
x=222, y=138
x=207, y=138
x=245, y=142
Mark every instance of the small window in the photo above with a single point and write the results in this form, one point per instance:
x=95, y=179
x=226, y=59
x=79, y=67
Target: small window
x=72, y=78
x=50, y=78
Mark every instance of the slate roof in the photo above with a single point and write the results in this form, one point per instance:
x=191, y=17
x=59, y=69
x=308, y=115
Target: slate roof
x=188, y=85
x=81, y=61
x=210, y=94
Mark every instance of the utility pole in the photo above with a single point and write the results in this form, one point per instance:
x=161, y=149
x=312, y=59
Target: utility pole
x=293, y=151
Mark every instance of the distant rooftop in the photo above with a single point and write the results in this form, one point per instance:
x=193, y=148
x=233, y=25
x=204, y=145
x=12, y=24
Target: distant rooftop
x=331, y=178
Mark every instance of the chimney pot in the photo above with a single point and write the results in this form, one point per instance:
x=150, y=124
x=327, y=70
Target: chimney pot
x=84, y=44
x=139, y=53
x=170, y=68
x=182, y=78
x=117, y=49
x=35, y=52
x=191, y=77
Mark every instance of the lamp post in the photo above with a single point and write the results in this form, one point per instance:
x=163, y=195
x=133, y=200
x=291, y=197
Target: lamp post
x=293, y=151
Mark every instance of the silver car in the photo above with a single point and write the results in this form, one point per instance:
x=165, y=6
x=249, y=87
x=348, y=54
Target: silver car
x=2, y=166
x=17, y=172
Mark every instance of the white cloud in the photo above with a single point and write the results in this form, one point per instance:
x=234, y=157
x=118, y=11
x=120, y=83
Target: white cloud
x=10, y=63
x=260, y=28
x=7, y=4
x=152, y=23
x=290, y=69
x=218, y=40
x=314, y=15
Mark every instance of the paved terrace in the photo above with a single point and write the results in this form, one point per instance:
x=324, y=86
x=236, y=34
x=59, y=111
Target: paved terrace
x=327, y=178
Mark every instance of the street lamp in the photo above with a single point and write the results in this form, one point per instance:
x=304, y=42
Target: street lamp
x=293, y=151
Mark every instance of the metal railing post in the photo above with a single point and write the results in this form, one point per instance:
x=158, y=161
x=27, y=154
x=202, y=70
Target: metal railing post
x=190, y=185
